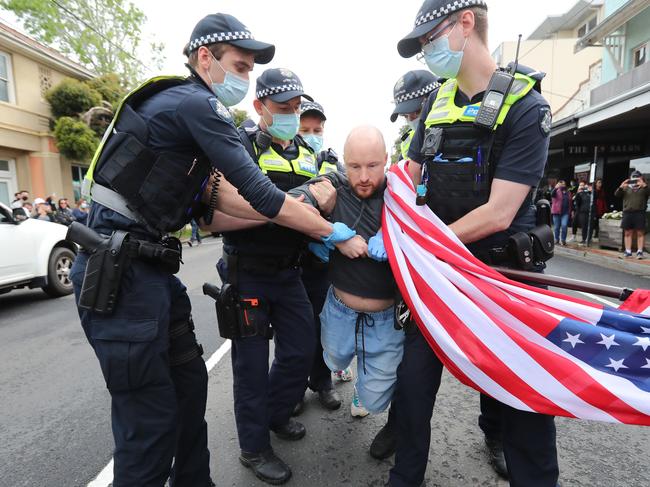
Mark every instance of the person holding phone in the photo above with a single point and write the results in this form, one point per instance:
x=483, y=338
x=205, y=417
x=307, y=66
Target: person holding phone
x=635, y=193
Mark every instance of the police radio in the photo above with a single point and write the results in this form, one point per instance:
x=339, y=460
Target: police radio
x=496, y=95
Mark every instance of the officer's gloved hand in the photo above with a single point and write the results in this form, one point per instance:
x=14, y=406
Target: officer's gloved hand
x=376, y=249
x=320, y=251
x=340, y=233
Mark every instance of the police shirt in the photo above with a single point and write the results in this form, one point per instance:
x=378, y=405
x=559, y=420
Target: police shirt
x=526, y=131
x=188, y=120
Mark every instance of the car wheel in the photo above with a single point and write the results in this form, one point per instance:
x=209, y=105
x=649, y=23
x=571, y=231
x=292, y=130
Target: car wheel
x=58, y=272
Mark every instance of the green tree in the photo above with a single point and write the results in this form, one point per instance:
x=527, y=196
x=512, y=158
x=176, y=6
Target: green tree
x=103, y=35
x=75, y=139
x=109, y=86
x=239, y=116
x=71, y=97
x=397, y=144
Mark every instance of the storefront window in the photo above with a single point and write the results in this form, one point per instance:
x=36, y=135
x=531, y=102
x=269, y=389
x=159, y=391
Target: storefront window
x=78, y=173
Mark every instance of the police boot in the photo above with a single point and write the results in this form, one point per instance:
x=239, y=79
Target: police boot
x=298, y=408
x=329, y=399
x=266, y=466
x=291, y=431
x=384, y=443
x=497, y=458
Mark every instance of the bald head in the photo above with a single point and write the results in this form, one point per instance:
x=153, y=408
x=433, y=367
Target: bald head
x=365, y=157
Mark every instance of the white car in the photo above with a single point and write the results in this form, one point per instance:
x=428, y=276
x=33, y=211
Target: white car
x=34, y=253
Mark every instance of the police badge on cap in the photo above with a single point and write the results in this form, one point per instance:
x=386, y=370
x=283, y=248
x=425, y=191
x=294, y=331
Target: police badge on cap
x=280, y=85
x=219, y=27
x=431, y=14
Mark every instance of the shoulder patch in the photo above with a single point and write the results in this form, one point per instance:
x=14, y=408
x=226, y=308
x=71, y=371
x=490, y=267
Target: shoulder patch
x=545, y=121
x=219, y=108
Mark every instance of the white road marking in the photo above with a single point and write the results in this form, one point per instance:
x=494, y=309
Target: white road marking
x=598, y=298
x=105, y=477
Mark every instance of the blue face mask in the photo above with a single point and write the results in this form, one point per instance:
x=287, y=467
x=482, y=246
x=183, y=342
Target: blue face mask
x=314, y=141
x=232, y=90
x=285, y=125
x=440, y=59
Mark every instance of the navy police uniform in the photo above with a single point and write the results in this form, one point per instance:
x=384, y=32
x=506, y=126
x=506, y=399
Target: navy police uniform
x=146, y=347
x=519, y=155
x=263, y=263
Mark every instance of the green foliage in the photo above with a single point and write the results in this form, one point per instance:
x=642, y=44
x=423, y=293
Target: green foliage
x=239, y=116
x=71, y=97
x=109, y=87
x=397, y=150
x=103, y=35
x=75, y=139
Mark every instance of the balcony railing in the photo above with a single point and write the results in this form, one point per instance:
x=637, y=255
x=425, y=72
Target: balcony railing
x=638, y=76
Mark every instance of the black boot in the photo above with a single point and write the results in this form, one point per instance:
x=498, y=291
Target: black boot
x=291, y=431
x=384, y=443
x=329, y=399
x=497, y=458
x=266, y=466
x=298, y=408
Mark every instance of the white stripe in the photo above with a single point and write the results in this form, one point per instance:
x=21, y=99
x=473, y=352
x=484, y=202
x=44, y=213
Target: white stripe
x=599, y=299
x=105, y=477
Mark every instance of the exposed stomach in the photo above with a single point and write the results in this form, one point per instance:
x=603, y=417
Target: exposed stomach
x=359, y=303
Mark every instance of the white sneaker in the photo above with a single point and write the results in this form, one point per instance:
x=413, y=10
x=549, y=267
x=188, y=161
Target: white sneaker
x=356, y=408
x=344, y=375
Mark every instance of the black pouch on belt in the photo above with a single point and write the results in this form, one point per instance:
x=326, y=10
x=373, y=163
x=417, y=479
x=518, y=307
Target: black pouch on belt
x=520, y=249
x=543, y=242
x=253, y=318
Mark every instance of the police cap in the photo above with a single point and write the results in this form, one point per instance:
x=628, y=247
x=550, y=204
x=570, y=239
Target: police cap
x=313, y=107
x=280, y=85
x=431, y=14
x=220, y=27
x=411, y=90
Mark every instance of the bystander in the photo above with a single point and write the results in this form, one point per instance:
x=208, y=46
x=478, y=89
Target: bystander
x=634, y=192
x=560, y=209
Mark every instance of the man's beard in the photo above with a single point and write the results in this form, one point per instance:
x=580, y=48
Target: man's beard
x=364, y=191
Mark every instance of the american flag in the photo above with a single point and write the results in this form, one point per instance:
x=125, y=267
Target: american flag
x=533, y=349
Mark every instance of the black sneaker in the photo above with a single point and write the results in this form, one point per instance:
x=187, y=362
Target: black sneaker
x=266, y=466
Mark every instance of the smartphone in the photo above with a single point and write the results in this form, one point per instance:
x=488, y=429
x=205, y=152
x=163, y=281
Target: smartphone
x=633, y=181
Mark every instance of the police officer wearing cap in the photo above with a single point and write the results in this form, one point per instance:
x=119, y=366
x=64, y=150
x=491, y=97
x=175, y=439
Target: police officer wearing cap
x=312, y=128
x=409, y=93
x=147, y=179
x=506, y=161
x=314, y=271
x=263, y=263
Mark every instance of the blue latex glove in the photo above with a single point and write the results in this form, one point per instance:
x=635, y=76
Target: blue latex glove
x=320, y=251
x=340, y=233
x=376, y=249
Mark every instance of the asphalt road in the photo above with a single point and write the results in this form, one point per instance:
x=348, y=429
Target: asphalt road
x=55, y=428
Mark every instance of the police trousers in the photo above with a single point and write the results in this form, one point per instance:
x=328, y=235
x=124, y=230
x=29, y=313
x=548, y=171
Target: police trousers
x=157, y=410
x=265, y=398
x=316, y=284
x=528, y=438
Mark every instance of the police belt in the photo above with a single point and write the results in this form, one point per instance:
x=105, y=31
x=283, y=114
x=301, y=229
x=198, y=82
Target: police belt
x=167, y=258
x=496, y=256
x=264, y=264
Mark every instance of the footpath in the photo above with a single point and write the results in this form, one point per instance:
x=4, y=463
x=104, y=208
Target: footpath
x=610, y=259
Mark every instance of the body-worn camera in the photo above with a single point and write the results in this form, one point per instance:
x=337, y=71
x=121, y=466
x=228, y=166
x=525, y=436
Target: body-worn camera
x=433, y=138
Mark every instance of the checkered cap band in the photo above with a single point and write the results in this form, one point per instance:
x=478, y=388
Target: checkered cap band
x=219, y=37
x=448, y=9
x=418, y=93
x=278, y=89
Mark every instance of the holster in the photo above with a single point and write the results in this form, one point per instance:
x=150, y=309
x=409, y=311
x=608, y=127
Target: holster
x=237, y=317
x=104, y=269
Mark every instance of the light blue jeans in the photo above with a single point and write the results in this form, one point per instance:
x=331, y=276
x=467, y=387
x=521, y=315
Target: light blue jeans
x=560, y=222
x=373, y=338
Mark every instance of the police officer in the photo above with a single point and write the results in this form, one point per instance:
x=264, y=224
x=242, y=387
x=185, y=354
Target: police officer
x=505, y=162
x=314, y=271
x=312, y=128
x=145, y=180
x=409, y=93
x=262, y=262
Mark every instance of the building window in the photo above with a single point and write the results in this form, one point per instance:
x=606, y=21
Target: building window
x=640, y=55
x=6, y=78
x=78, y=174
x=7, y=180
x=45, y=76
x=587, y=27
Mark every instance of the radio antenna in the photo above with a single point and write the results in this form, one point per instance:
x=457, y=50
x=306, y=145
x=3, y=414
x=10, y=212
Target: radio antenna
x=516, y=64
